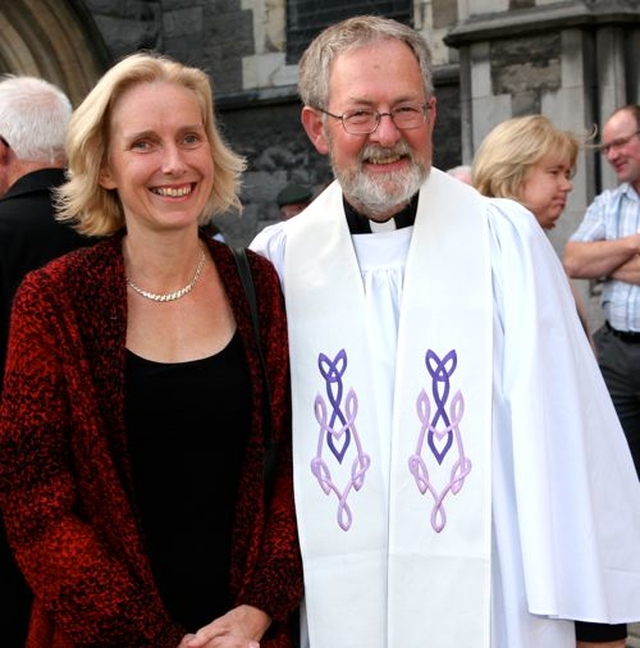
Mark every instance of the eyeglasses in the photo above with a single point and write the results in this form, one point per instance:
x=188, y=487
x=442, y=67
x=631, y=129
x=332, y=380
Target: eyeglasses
x=605, y=149
x=364, y=120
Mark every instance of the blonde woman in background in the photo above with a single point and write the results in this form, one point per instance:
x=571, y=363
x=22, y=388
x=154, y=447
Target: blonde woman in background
x=531, y=161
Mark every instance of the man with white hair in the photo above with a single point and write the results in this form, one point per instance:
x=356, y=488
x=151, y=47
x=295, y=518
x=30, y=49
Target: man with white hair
x=34, y=115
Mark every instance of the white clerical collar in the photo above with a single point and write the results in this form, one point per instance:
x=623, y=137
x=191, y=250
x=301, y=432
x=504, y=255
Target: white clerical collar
x=385, y=226
x=359, y=224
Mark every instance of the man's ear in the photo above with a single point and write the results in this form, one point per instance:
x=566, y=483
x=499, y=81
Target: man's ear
x=314, y=126
x=432, y=111
x=5, y=150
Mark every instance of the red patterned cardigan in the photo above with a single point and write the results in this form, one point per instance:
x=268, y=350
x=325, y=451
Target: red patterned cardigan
x=65, y=482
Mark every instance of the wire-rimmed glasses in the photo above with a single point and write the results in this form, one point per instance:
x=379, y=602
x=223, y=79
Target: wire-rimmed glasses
x=363, y=121
x=616, y=144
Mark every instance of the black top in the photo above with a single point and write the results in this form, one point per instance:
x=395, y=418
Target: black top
x=187, y=427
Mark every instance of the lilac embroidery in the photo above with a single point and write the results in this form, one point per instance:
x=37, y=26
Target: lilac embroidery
x=443, y=438
x=339, y=440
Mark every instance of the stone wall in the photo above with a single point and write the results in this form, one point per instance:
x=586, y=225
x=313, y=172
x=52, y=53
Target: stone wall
x=278, y=152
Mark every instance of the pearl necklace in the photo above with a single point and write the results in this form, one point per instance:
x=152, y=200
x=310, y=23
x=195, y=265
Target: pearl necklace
x=176, y=294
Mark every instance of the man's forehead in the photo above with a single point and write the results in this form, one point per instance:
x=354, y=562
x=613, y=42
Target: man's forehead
x=619, y=124
x=357, y=69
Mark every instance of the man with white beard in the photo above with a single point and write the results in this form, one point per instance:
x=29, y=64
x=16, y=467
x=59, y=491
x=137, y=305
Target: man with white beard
x=453, y=485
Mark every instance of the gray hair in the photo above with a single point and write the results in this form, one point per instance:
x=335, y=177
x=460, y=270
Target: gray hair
x=34, y=116
x=349, y=35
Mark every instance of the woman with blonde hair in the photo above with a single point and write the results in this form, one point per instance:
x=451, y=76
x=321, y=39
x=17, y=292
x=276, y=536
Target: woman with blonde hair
x=529, y=160
x=133, y=425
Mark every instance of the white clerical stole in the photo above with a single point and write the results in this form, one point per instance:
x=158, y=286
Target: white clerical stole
x=392, y=423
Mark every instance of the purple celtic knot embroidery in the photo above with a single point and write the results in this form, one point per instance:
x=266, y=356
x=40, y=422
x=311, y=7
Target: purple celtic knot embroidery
x=338, y=439
x=440, y=438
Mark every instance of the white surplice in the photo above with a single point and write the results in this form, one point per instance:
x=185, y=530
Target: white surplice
x=460, y=474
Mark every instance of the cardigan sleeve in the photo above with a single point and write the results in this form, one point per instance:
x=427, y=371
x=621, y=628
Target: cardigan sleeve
x=91, y=595
x=274, y=584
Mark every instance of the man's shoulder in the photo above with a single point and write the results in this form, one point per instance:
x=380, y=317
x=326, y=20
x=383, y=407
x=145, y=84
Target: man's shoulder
x=266, y=237
x=615, y=195
x=30, y=198
x=272, y=240
x=511, y=221
x=41, y=181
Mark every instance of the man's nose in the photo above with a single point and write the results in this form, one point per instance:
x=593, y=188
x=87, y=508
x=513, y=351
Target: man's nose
x=387, y=132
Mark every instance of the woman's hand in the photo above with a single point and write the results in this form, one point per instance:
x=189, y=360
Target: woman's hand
x=241, y=627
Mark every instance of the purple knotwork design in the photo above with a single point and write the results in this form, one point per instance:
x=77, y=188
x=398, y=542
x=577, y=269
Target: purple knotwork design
x=440, y=438
x=338, y=434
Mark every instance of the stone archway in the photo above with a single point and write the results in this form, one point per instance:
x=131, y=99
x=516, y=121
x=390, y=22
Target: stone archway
x=53, y=39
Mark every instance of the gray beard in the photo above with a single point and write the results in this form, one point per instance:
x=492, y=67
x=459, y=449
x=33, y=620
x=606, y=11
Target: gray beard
x=380, y=196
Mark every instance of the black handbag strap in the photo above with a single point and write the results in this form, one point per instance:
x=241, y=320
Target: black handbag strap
x=244, y=271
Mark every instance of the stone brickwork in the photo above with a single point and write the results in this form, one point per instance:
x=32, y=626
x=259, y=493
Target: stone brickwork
x=228, y=37
x=214, y=34
x=526, y=69
x=278, y=153
x=128, y=26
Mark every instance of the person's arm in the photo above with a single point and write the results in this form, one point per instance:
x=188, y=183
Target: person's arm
x=275, y=582
x=599, y=644
x=593, y=259
x=90, y=593
x=628, y=272
x=271, y=243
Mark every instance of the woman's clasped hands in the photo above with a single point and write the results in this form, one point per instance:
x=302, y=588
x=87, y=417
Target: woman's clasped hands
x=241, y=627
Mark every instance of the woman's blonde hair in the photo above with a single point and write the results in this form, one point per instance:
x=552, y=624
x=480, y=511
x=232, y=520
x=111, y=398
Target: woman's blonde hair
x=512, y=148
x=96, y=211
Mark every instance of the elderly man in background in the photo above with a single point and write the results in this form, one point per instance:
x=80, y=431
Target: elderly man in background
x=34, y=115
